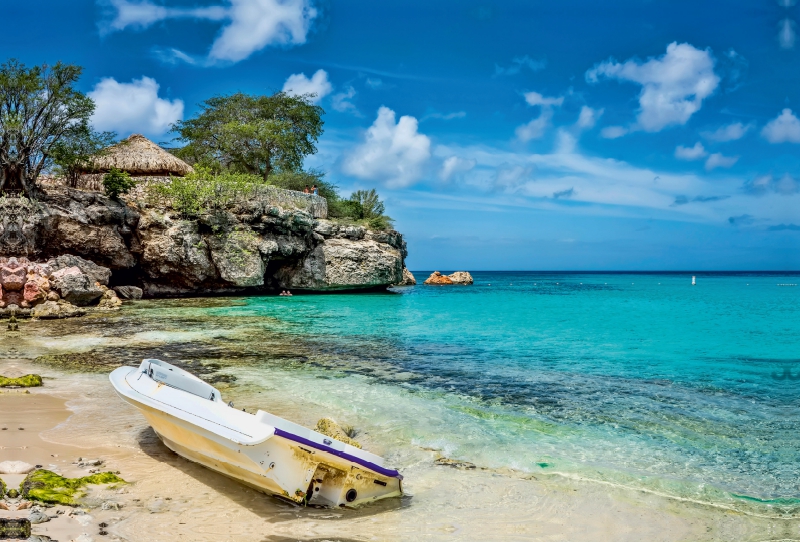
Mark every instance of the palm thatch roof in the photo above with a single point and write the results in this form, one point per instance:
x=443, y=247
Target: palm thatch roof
x=139, y=156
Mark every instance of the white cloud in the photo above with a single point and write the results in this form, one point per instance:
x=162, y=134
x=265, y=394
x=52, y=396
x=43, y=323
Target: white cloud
x=674, y=85
x=690, y=153
x=341, y=101
x=730, y=132
x=445, y=116
x=133, y=107
x=536, y=127
x=534, y=98
x=786, y=185
x=319, y=85
x=786, y=34
x=250, y=25
x=613, y=132
x=718, y=160
x=453, y=165
x=588, y=117
x=783, y=129
x=518, y=63
x=393, y=151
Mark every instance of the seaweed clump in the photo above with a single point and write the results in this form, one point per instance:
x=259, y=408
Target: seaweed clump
x=27, y=381
x=48, y=487
x=330, y=428
x=2, y=488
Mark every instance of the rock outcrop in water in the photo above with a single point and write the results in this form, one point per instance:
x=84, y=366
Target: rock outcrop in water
x=152, y=251
x=459, y=277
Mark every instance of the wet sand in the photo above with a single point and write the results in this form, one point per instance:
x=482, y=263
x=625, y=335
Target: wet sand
x=78, y=415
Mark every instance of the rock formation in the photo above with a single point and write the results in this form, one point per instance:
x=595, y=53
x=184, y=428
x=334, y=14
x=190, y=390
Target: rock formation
x=254, y=246
x=459, y=277
x=408, y=279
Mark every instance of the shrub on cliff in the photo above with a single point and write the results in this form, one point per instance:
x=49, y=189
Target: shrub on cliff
x=117, y=182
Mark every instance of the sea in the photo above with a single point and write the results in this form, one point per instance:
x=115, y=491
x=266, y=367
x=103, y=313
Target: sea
x=636, y=380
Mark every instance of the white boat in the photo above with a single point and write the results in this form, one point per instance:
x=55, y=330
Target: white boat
x=261, y=450
x=693, y=281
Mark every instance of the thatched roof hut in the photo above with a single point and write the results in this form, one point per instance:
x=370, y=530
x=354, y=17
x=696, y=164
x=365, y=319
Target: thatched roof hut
x=140, y=157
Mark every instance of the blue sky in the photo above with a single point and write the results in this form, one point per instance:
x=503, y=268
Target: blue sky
x=503, y=135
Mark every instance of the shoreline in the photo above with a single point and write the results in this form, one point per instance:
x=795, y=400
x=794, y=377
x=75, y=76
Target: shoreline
x=494, y=504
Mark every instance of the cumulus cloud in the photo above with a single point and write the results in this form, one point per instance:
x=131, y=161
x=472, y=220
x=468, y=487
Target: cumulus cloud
x=690, y=153
x=674, y=85
x=783, y=129
x=786, y=34
x=729, y=132
x=536, y=128
x=764, y=184
x=534, y=98
x=588, y=117
x=250, y=25
x=517, y=64
x=454, y=165
x=341, y=101
x=393, y=151
x=719, y=160
x=613, y=132
x=133, y=107
x=298, y=84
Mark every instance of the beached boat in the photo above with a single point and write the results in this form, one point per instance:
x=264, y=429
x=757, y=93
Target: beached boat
x=261, y=450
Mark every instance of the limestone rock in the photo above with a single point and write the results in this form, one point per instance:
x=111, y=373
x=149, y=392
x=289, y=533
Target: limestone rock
x=238, y=258
x=343, y=264
x=408, y=278
x=437, y=278
x=52, y=295
x=56, y=309
x=460, y=277
x=76, y=287
x=97, y=273
x=15, y=467
x=128, y=292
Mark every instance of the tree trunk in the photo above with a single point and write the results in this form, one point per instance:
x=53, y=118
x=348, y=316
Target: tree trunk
x=13, y=181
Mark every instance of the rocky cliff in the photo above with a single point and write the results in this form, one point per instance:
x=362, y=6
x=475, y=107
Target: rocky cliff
x=256, y=245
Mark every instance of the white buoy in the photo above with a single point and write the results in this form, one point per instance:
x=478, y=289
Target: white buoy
x=693, y=282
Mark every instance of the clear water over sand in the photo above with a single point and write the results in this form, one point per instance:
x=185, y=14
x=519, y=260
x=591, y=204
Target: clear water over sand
x=628, y=381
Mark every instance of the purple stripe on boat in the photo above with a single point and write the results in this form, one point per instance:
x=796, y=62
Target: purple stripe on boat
x=364, y=463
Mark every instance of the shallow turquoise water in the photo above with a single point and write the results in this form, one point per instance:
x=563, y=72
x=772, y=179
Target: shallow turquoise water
x=640, y=380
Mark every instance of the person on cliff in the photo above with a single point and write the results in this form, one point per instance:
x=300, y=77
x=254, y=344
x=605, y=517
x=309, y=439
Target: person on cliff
x=306, y=190
x=315, y=190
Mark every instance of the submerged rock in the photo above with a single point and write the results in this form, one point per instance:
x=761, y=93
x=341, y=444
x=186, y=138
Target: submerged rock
x=15, y=528
x=329, y=427
x=50, y=310
x=128, y=292
x=109, y=301
x=455, y=463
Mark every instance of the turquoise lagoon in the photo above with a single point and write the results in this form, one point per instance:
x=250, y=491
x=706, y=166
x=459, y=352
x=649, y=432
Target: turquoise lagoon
x=638, y=380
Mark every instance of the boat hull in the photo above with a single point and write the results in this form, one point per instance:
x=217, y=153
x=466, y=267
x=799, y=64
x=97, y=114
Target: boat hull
x=278, y=463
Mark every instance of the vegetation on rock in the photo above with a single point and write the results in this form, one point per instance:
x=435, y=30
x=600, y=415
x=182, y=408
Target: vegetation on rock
x=116, y=183
x=49, y=487
x=27, y=381
x=71, y=155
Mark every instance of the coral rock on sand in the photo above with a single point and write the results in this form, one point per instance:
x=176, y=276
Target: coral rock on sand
x=109, y=301
x=328, y=427
x=75, y=286
x=56, y=309
x=128, y=292
x=27, y=381
x=461, y=277
x=438, y=279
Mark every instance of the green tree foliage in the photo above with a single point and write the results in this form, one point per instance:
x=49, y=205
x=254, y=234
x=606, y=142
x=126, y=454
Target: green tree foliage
x=117, y=182
x=371, y=205
x=39, y=107
x=72, y=153
x=257, y=135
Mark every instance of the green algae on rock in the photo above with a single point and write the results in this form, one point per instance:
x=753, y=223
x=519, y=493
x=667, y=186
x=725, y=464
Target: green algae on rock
x=27, y=381
x=2, y=488
x=15, y=528
x=49, y=487
x=330, y=428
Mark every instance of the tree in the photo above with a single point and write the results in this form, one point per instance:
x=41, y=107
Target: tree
x=371, y=205
x=71, y=155
x=259, y=135
x=39, y=108
x=117, y=182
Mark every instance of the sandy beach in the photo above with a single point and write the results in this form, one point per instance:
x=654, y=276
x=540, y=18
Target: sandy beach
x=168, y=498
